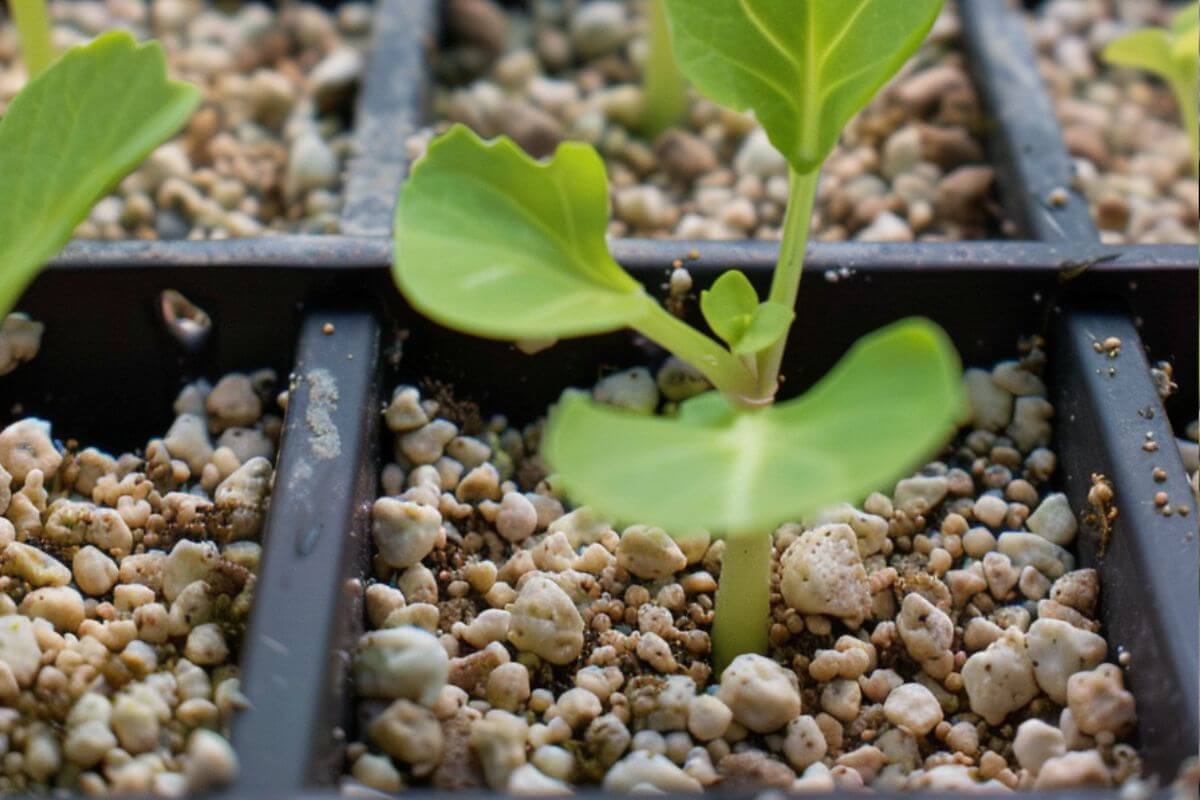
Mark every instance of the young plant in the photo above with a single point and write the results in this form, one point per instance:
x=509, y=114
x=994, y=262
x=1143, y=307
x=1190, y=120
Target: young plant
x=69, y=136
x=664, y=89
x=33, y=29
x=1174, y=55
x=491, y=242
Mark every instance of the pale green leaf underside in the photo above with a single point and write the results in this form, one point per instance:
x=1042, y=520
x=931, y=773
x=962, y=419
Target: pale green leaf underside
x=728, y=305
x=69, y=136
x=804, y=67
x=889, y=403
x=731, y=309
x=768, y=324
x=494, y=243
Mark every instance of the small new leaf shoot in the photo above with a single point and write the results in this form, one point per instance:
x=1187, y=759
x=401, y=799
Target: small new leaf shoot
x=33, y=29
x=69, y=136
x=1173, y=54
x=732, y=310
x=728, y=305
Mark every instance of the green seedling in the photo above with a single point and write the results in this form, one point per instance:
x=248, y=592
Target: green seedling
x=33, y=29
x=493, y=243
x=69, y=136
x=663, y=85
x=1174, y=55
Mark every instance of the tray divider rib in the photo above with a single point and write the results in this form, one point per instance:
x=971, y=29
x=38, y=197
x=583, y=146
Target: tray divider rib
x=307, y=610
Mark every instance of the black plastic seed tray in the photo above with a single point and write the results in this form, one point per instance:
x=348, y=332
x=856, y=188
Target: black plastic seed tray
x=109, y=370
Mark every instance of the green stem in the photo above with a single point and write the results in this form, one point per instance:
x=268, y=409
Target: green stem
x=663, y=85
x=1186, y=100
x=722, y=368
x=785, y=283
x=743, y=598
x=37, y=48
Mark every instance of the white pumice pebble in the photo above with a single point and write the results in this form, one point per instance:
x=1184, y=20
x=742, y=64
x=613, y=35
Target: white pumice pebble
x=528, y=780
x=188, y=440
x=499, y=742
x=545, y=622
x=404, y=532
x=1072, y=770
x=233, y=403
x=1054, y=520
x=1059, y=650
x=26, y=445
x=762, y=695
x=409, y=733
x=913, y=708
x=426, y=444
x=517, y=518
x=920, y=495
x=822, y=573
x=1036, y=743
x=991, y=405
x=1031, y=550
x=1000, y=679
x=708, y=717
x=927, y=634
x=633, y=389
x=1099, y=702
x=653, y=771
x=404, y=662
x=650, y=553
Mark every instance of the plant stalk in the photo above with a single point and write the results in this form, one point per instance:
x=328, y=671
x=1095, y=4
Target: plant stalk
x=743, y=598
x=723, y=369
x=664, y=87
x=785, y=282
x=33, y=27
x=1191, y=121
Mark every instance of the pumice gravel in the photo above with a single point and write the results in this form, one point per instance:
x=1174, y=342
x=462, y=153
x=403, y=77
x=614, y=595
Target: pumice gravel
x=266, y=150
x=911, y=166
x=125, y=586
x=940, y=636
x=1132, y=158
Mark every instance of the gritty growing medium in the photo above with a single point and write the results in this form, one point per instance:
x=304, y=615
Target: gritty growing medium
x=939, y=636
x=910, y=166
x=125, y=584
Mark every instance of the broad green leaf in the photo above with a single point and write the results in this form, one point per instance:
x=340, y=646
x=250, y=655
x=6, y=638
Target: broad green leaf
x=889, y=403
x=1174, y=55
x=1148, y=49
x=728, y=305
x=69, y=136
x=1186, y=19
x=804, y=67
x=494, y=243
x=768, y=325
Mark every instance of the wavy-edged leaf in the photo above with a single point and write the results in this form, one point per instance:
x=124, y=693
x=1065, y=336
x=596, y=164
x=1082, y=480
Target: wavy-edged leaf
x=494, y=243
x=804, y=67
x=70, y=135
x=768, y=324
x=729, y=304
x=890, y=402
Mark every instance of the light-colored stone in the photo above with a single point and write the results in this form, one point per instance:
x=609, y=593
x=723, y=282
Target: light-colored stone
x=822, y=573
x=762, y=695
